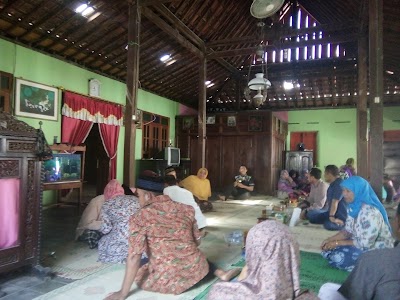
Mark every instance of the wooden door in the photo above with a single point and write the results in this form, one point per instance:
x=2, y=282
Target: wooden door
x=213, y=160
x=308, y=138
x=194, y=154
x=229, y=165
x=245, y=152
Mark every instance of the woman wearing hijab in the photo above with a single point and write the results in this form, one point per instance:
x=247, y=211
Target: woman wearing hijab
x=168, y=232
x=200, y=187
x=367, y=226
x=115, y=214
x=287, y=186
x=272, y=267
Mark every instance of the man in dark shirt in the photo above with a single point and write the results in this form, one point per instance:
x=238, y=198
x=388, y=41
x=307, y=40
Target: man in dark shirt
x=334, y=214
x=241, y=188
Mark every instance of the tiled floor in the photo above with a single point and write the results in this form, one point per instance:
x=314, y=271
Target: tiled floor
x=58, y=227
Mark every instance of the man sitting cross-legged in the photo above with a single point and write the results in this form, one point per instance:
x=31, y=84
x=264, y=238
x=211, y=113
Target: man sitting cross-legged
x=241, y=188
x=334, y=214
x=317, y=198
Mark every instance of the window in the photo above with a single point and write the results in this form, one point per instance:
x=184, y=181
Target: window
x=5, y=91
x=155, y=134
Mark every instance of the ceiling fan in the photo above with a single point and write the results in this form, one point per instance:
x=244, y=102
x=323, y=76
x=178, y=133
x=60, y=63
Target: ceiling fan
x=262, y=9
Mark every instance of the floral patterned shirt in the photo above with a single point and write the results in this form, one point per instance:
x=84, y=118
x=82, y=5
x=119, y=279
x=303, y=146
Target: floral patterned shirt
x=167, y=231
x=115, y=214
x=369, y=230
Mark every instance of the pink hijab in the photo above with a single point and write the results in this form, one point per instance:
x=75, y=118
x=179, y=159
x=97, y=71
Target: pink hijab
x=113, y=189
x=272, y=258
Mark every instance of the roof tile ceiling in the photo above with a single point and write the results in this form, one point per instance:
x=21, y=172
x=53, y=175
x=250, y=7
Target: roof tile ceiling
x=229, y=35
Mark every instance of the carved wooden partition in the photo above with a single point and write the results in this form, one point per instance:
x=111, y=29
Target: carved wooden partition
x=255, y=139
x=18, y=161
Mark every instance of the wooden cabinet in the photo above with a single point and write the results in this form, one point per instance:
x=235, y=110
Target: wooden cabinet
x=228, y=147
x=20, y=194
x=299, y=160
x=308, y=138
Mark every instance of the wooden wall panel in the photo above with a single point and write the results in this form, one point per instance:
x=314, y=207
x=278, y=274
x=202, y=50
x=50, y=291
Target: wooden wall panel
x=229, y=165
x=213, y=160
x=227, y=147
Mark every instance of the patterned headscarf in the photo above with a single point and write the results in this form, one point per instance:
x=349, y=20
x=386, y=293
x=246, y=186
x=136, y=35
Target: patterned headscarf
x=363, y=193
x=283, y=174
x=113, y=189
x=273, y=262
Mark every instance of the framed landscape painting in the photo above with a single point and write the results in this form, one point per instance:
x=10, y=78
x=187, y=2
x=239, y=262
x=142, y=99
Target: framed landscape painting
x=36, y=100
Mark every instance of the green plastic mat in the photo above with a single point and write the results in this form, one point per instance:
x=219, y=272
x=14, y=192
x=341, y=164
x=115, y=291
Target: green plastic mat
x=314, y=272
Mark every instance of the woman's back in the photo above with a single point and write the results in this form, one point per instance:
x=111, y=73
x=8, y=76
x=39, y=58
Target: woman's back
x=165, y=230
x=115, y=214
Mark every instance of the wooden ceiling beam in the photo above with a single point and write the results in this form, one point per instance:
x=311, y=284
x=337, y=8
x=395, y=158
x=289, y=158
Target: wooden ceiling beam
x=351, y=37
x=154, y=2
x=88, y=33
x=181, y=27
x=178, y=24
x=26, y=17
x=55, y=30
x=9, y=4
x=171, y=31
x=46, y=18
x=283, y=32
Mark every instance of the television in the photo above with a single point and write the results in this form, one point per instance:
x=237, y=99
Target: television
x=63, y=167
x=172, y=156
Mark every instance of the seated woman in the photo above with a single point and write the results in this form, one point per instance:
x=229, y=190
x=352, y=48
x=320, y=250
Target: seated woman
x=367, y=226
x=200, y=187
x=272, y=267
x=115, y=214
x=168, y=232
x=303, y=184
x=287, y=186
x=348, y=170
x=295, y=176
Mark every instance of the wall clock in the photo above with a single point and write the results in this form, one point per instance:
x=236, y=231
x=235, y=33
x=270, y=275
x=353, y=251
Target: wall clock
x=94, y=87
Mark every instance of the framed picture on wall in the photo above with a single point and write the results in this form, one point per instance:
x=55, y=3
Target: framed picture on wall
x=187, y=123
x=255, y=123
x=231, y=121
x=210, y=120
x=35, y=100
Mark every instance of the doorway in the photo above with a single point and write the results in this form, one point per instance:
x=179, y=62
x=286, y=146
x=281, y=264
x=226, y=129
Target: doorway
x=96, y=164
x=309, y=139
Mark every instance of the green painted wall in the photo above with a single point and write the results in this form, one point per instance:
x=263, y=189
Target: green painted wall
x=391, y=118
x=32, y=65
x=336, y=141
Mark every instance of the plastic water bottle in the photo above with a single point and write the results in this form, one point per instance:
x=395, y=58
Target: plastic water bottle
x=234, y=238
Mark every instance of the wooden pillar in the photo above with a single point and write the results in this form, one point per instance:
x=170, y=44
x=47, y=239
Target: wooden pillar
x=362, y=110
x=132, y=81
x=202, y=113
x=376, y=93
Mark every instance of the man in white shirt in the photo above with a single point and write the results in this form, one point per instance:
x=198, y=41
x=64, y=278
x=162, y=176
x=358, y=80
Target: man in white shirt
x=183, y=196
x=317, y=198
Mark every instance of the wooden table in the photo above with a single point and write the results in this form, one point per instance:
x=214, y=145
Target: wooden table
x=65, y=185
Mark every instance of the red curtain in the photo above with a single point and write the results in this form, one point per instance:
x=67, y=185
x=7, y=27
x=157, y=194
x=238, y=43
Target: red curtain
x=88, y=109
x=79, y=114
x=74, y=131
x=109, y=136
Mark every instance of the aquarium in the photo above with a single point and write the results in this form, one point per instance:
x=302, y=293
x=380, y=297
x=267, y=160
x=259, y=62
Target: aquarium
x=63, y=167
